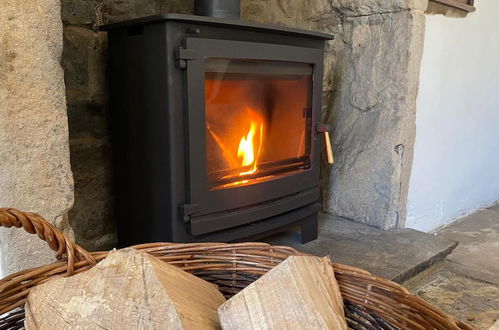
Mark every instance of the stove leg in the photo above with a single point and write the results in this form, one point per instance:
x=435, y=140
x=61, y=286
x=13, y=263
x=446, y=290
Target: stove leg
x=309, y=228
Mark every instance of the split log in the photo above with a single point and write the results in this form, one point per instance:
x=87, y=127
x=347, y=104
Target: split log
x=127, y=290
x=300, y=293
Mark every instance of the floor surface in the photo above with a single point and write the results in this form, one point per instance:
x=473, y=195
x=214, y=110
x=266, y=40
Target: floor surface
x=467, y=284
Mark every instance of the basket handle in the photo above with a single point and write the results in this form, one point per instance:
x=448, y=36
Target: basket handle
x=57, y=240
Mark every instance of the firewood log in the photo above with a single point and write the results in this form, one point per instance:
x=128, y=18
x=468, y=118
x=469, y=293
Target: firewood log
x=300, y=293
x=127, y=290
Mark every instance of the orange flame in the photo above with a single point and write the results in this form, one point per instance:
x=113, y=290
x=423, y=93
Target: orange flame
x=247, y=147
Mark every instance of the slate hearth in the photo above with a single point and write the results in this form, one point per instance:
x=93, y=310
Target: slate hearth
x=396, y=254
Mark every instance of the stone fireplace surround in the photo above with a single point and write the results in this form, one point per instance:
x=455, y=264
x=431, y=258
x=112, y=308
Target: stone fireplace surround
x=369, y=98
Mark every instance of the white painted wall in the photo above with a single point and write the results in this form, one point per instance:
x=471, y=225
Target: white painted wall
x=456, y=157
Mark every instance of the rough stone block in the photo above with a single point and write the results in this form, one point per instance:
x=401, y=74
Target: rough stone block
x=312, y=15
x=113, y=11
x=87, y=120
x=84, y=63
x=370, y=7
x=374, y=118
x=84, y=59
x=92, y=215
x=78, y=12
x=35, y=173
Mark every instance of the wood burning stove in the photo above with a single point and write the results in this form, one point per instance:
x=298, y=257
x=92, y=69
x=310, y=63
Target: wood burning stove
x=213, y=127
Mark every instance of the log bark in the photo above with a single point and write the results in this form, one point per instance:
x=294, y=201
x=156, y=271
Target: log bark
x=300, y=293
x=127, y=290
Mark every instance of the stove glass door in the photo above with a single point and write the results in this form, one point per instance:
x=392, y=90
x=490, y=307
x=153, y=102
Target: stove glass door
x=252, y=109
x=258, y=120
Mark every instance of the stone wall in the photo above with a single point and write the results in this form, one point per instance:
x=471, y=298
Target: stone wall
x=35, y=173
x=84, y=72
x=370, y=85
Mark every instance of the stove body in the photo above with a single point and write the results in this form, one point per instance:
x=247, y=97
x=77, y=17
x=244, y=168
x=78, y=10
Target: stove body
x=213, y=126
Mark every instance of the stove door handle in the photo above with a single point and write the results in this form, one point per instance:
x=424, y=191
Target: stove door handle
x=324, y=128
x=329, y=149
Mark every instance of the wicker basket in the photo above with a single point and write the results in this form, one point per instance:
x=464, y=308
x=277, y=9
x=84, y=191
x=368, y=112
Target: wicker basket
x=370, y=302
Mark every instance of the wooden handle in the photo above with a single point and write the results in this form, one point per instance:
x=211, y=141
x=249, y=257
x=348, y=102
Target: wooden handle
x=329, y=149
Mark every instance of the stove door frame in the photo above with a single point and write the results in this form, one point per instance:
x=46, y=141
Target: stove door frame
x=201, y=200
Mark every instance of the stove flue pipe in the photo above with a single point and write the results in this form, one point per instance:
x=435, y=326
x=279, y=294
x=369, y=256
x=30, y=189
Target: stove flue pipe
x=218, y=8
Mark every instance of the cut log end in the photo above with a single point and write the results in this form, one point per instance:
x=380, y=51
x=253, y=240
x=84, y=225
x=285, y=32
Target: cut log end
x=127, y=290
x=300, y=293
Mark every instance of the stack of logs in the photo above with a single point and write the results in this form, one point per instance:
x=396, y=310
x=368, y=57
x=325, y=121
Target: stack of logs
x=133, y=290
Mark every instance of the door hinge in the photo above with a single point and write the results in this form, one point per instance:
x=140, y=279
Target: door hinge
x=183, y=55
x=186, y=210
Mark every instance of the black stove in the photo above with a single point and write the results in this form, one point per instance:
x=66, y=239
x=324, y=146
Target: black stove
x=214, y=126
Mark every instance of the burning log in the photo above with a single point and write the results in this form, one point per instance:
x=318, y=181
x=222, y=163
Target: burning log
x=300, y=293
x=127, y=290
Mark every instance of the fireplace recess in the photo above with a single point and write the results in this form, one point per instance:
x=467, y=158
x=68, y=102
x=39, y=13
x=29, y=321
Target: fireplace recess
x=215, y=127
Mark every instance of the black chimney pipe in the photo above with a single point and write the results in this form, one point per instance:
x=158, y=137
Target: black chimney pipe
x=218, y=8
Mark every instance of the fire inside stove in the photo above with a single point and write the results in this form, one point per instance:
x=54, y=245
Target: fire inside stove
x=258, y=120
x=250, y=147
